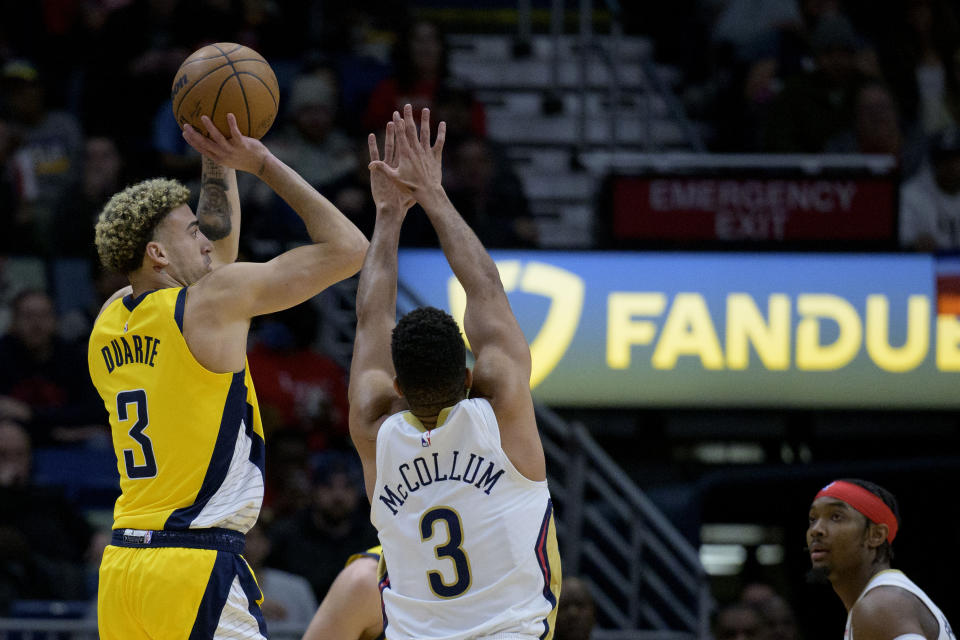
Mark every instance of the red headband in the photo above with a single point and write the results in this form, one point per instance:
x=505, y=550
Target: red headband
x=871, y=506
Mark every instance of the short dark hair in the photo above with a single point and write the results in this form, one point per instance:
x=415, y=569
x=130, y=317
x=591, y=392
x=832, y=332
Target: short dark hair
x=884, y=551
x=429, y=357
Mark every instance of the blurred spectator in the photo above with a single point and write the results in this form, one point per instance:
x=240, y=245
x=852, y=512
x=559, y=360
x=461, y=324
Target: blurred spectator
x=308, y=140
x=135, y=53
x=420, y=74
x=776, y=611
x=287, y=597
x=576, y=614
x=753, y=27
x=298, y=387
x=779, y=618
x=878, y=128
x=922, y=35
x=490, y=196
x=930, y=201
x=739, y=621
x=269, y=28
x=817, y=105
x=44, y=381
x=366, y=35
x=173, y=157
x=287, y=489
x=104, y=173
x=316, y=542
x=351, y=194
x=43, y=538
x=75, y=323
x=47, y=157
x=952, y=93
x=12, y=229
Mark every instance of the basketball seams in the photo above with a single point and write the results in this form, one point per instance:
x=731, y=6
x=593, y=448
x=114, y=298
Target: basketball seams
x=258, y=60
x=196, y=82
x=235, y=61
x=260, y=80
x=243, y=91
x=216, y=101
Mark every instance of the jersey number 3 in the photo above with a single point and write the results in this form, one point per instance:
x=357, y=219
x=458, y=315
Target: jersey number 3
x=149, y=467
x=450, y=549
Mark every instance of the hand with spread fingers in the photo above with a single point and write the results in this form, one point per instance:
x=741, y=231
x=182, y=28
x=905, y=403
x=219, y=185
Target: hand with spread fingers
x=238, y=151
x=387, y=194
x=419, y=164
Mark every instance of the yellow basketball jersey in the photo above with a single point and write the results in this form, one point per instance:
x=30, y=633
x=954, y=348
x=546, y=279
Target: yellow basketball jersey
x=372, y=552
x=189, y=441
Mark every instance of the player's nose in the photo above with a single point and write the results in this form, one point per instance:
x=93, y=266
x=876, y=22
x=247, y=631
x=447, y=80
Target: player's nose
x=815, y=528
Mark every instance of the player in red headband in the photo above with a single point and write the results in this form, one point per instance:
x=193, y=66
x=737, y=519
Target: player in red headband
x=852, y=526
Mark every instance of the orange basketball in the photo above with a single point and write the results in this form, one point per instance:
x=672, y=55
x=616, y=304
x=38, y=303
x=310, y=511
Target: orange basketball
x=226, y=78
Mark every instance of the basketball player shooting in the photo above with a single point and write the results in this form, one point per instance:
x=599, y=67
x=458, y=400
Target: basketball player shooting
x=168, y=356
x=457, y=485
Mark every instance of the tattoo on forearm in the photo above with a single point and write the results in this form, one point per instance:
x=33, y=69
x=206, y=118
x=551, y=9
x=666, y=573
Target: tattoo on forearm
x=213, y=210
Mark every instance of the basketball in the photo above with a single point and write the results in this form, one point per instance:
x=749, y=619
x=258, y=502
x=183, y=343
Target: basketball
x=226, y=78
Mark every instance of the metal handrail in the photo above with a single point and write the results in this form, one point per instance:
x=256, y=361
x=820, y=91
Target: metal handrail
x=644, y=576
x=652, y=80
x=653, y=85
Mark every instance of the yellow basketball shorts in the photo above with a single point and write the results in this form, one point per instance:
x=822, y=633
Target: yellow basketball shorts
x=151, y=589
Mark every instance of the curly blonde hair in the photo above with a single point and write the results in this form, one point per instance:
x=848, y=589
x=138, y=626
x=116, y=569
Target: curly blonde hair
x=128, y=221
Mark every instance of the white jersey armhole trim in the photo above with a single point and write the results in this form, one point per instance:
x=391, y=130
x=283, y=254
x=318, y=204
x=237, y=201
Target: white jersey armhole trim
x=910, y=636
x=491, y=431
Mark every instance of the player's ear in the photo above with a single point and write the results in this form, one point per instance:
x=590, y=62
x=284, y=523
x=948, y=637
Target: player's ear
x=155, y=255
x=877, y=534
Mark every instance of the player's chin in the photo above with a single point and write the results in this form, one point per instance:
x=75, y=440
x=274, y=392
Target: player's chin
x=818, y=574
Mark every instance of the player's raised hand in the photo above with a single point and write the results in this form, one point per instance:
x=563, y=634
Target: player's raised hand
x=387, y=194
x=238, y=151
x=419, y=165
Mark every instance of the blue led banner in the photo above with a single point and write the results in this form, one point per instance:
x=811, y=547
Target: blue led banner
x=701, y=330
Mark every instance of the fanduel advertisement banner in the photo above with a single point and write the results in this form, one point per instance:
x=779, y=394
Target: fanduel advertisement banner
x=701, y=330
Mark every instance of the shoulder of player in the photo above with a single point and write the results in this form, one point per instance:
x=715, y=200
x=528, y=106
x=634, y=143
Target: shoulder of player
x=234, y=274
x=119, y=293
x=215, y=291
x=883, y=609
x=361, y=572
x=372, y=396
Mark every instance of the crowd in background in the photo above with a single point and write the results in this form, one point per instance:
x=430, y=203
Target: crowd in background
x=85, y=110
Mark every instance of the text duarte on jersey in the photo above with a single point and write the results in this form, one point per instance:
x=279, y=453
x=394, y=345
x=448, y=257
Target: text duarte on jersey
x=423, y=471
x=139, y=349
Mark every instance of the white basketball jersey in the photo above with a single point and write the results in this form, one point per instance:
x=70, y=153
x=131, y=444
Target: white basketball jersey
x=895, y=578
x=469, y=543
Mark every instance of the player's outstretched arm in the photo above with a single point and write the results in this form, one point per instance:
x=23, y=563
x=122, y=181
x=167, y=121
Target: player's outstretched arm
x=351, y=608
x=245, y=290
x=218, y=211
x=502, y=369
x=371, y=392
